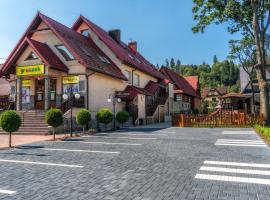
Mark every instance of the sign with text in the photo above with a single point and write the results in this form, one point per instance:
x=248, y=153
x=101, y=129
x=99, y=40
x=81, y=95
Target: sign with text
x=71, y=79
x=26, y=83
x=33, y=70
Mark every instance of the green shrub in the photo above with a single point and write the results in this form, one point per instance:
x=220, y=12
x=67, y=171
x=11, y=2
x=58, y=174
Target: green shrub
x=105, y=116
x=122, y=117
x=54, y=118
x=83, y=117
x=10, y=122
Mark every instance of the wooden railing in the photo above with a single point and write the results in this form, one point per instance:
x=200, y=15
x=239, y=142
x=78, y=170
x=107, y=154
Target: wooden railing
x=221, y=119
x=77, y=103
x=151, y=108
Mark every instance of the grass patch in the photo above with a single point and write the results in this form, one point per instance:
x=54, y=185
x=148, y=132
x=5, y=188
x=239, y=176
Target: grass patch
x=263, y=131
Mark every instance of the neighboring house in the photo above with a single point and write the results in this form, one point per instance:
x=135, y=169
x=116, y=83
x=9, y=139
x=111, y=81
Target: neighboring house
x=248, y=87
x=213, y=94
x=194, y=82
x=52, y=59
x=185, y=91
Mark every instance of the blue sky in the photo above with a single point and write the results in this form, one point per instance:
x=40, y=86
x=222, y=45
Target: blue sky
x=161, y=28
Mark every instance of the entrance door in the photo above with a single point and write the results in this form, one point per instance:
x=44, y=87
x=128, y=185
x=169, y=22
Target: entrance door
x=40, y=91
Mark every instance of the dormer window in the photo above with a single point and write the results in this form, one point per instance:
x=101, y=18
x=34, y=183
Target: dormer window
x=85, y=32
x=31, y=56
x=64, y=52
x=103, y=59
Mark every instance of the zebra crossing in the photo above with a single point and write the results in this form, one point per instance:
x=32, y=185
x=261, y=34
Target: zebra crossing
x=235, y=172
x=240, y=143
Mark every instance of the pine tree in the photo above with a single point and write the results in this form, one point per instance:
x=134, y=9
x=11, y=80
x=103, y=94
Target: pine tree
x=215, y=59
x=167, y=63
x=178, y=66
x=172, y=64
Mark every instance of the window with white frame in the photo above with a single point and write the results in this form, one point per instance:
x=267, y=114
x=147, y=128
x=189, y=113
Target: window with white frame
x=85, y=32
x=65, y=53
x=128, y=75
x=136, y=80
x=178, y=97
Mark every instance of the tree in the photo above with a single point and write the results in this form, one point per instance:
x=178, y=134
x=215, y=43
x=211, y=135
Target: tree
x=215, y=59
x=172, y=64
x=249, y=17
x=167, y=63
x=54, y=118
x=10, y=122
x=105, y=116
x=178, y=66
x=122, y=117
x=83, y=117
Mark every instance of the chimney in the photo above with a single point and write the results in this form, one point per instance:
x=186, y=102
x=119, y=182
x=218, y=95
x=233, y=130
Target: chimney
x=133, y=46
x=116, y=35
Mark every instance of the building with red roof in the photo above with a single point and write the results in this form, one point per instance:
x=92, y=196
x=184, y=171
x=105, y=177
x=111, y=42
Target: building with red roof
x=52, y=59
x=186, y=91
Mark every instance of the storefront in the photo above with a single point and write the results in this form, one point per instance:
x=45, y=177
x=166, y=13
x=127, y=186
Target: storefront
x=40, y=88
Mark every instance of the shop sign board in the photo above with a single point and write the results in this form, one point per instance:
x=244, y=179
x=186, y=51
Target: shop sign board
x=71, y=79
x=32, y=70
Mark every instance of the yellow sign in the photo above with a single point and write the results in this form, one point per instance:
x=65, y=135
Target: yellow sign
x=30, y=70
x=71, y=79
x=26, y=83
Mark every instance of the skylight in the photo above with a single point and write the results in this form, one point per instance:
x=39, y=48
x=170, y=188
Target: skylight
x=65, y=53
x=103, y=59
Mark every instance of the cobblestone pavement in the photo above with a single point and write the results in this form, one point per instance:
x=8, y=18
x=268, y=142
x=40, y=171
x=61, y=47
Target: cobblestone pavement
x=140, y=164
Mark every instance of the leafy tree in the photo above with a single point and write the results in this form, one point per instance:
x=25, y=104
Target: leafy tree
x=249, y=17
x=54, y=118
x=105, y=116
x=83, y=117
x=10, y=122
x=122, y=117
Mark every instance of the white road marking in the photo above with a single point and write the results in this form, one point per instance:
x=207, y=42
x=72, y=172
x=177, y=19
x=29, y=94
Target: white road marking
x=169, y=132
x=7, y=192
x=241, y=145
x=234, y=170
x=41, y=163
x=106, y=143
x=237, y=164
x=233, y=179
x=140, y=134
x=238, y=132
x=83, y=151
x=248, y=143
x=130, y=138
x=240, y=141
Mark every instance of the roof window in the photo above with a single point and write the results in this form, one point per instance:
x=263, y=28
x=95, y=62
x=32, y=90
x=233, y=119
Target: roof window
x=65, y=53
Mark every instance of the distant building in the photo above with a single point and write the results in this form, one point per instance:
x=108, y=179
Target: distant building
x=213, y=94
x=248, y=87
x=186, y=91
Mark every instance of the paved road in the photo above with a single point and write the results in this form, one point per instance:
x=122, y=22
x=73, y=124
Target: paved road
x=140, y=164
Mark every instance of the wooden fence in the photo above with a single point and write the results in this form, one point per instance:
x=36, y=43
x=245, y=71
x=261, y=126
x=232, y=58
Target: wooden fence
x=221, y=119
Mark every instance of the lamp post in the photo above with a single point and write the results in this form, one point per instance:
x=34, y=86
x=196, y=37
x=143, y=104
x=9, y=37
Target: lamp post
x=65, y=97
x=112, y=98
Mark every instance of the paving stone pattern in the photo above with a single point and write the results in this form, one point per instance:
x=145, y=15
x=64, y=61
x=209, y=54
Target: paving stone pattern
x=162, y=168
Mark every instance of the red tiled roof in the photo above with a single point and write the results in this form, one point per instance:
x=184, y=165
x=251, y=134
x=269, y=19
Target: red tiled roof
x=193, y=81
x=134, y=91
x=151, y=87
x=80, y=47
x=122, y=51
x=47, y=55
x=180, y=83
x=220, y=90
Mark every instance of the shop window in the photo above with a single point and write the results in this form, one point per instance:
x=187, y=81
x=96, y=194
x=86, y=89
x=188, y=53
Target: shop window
x=53, y=90
x=31, y=56
x=128, y=75
x=82, y=86
x=64, y=52
x=136, y=80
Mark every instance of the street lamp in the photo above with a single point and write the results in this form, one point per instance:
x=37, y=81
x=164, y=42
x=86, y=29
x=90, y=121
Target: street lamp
x=112, y=98
x=65, y=97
